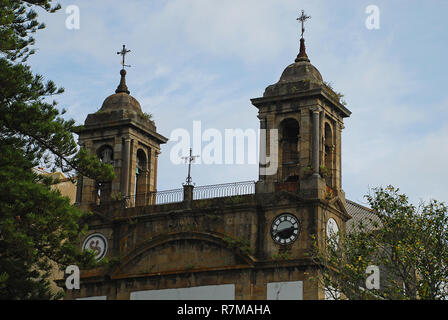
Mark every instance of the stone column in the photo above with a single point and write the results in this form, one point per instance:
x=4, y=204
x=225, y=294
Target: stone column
x=316, y=141
x=132, y=172
x=156, y=159
x=126, y=166
x=338, y=155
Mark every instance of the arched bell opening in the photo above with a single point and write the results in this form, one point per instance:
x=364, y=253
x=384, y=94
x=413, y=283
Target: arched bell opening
x=289, y=150
x=103, y=189
x=141, y=177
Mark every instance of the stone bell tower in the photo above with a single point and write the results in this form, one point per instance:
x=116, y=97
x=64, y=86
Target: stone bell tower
x=300, y=165
x=122, y=135
x=303, y=119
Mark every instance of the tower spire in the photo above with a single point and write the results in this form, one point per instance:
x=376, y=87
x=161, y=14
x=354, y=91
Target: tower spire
x=302, y=56
x=122, y=87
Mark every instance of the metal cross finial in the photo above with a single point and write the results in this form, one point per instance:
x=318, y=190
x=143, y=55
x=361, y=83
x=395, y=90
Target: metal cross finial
x=302, y=19
x=189, y=159
x=123, y=52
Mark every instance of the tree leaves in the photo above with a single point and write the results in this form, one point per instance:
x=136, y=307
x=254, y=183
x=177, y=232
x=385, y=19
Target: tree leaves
x=410, y=246
x=38, y=227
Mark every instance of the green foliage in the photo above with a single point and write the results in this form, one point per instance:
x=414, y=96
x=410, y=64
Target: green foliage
x=409, y=243
x=324, y=171
x=189, y=267
x=132, y=222
x=239, y=243
x=286, y=255
x=39, y=228
x=214, y=217
x=110, y=262
x=116, y=196
x=146, y=116
x=308, y=170
x=18, y=22
x=329, y=195
x=235, y=199
x=338, y=95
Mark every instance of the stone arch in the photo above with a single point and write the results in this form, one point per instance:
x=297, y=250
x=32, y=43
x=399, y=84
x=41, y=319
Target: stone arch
x=141, y=160
x=161, y=254
x=106, y=154
x=289, y=131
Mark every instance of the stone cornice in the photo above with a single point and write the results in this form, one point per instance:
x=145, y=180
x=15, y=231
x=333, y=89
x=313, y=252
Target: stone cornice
x=122, y=123
x=317, y=92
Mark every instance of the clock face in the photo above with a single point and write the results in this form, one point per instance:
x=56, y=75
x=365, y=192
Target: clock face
x=285, y=229
x=96, y=242
x=332, y=230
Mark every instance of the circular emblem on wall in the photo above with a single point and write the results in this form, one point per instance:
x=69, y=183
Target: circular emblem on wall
x=96, y=242
x=285, y=229
x=332, y=230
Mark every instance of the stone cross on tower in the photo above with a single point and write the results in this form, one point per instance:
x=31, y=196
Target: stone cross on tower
x=189, y=159
x=123, y=52
x=302, y=19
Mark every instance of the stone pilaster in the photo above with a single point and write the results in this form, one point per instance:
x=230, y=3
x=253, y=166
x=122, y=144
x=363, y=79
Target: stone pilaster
x=315, y=162
x=263, y=147
x=118, y=164
x=339, y=127
x=126, y=166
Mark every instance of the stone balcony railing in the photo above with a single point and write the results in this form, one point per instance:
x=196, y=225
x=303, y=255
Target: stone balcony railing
x=184, y=197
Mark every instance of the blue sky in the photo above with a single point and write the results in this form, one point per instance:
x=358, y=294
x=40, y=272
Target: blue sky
x=205, y=59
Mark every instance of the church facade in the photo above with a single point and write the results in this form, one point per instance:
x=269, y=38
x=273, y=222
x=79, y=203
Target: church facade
x=248, y=240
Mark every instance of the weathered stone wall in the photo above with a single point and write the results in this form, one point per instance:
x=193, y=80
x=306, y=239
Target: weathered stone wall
x=217, y=241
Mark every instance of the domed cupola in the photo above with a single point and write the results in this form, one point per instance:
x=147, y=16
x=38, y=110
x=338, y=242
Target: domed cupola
x=121, y=100
x=298, y=76
x=120, y=106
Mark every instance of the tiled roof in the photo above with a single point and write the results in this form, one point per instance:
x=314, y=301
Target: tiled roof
x=360, y=213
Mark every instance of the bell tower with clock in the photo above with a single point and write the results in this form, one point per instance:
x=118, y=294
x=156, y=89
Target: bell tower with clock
x=301, y=118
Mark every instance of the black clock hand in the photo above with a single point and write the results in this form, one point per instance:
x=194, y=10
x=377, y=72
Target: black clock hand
x=284, y=230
